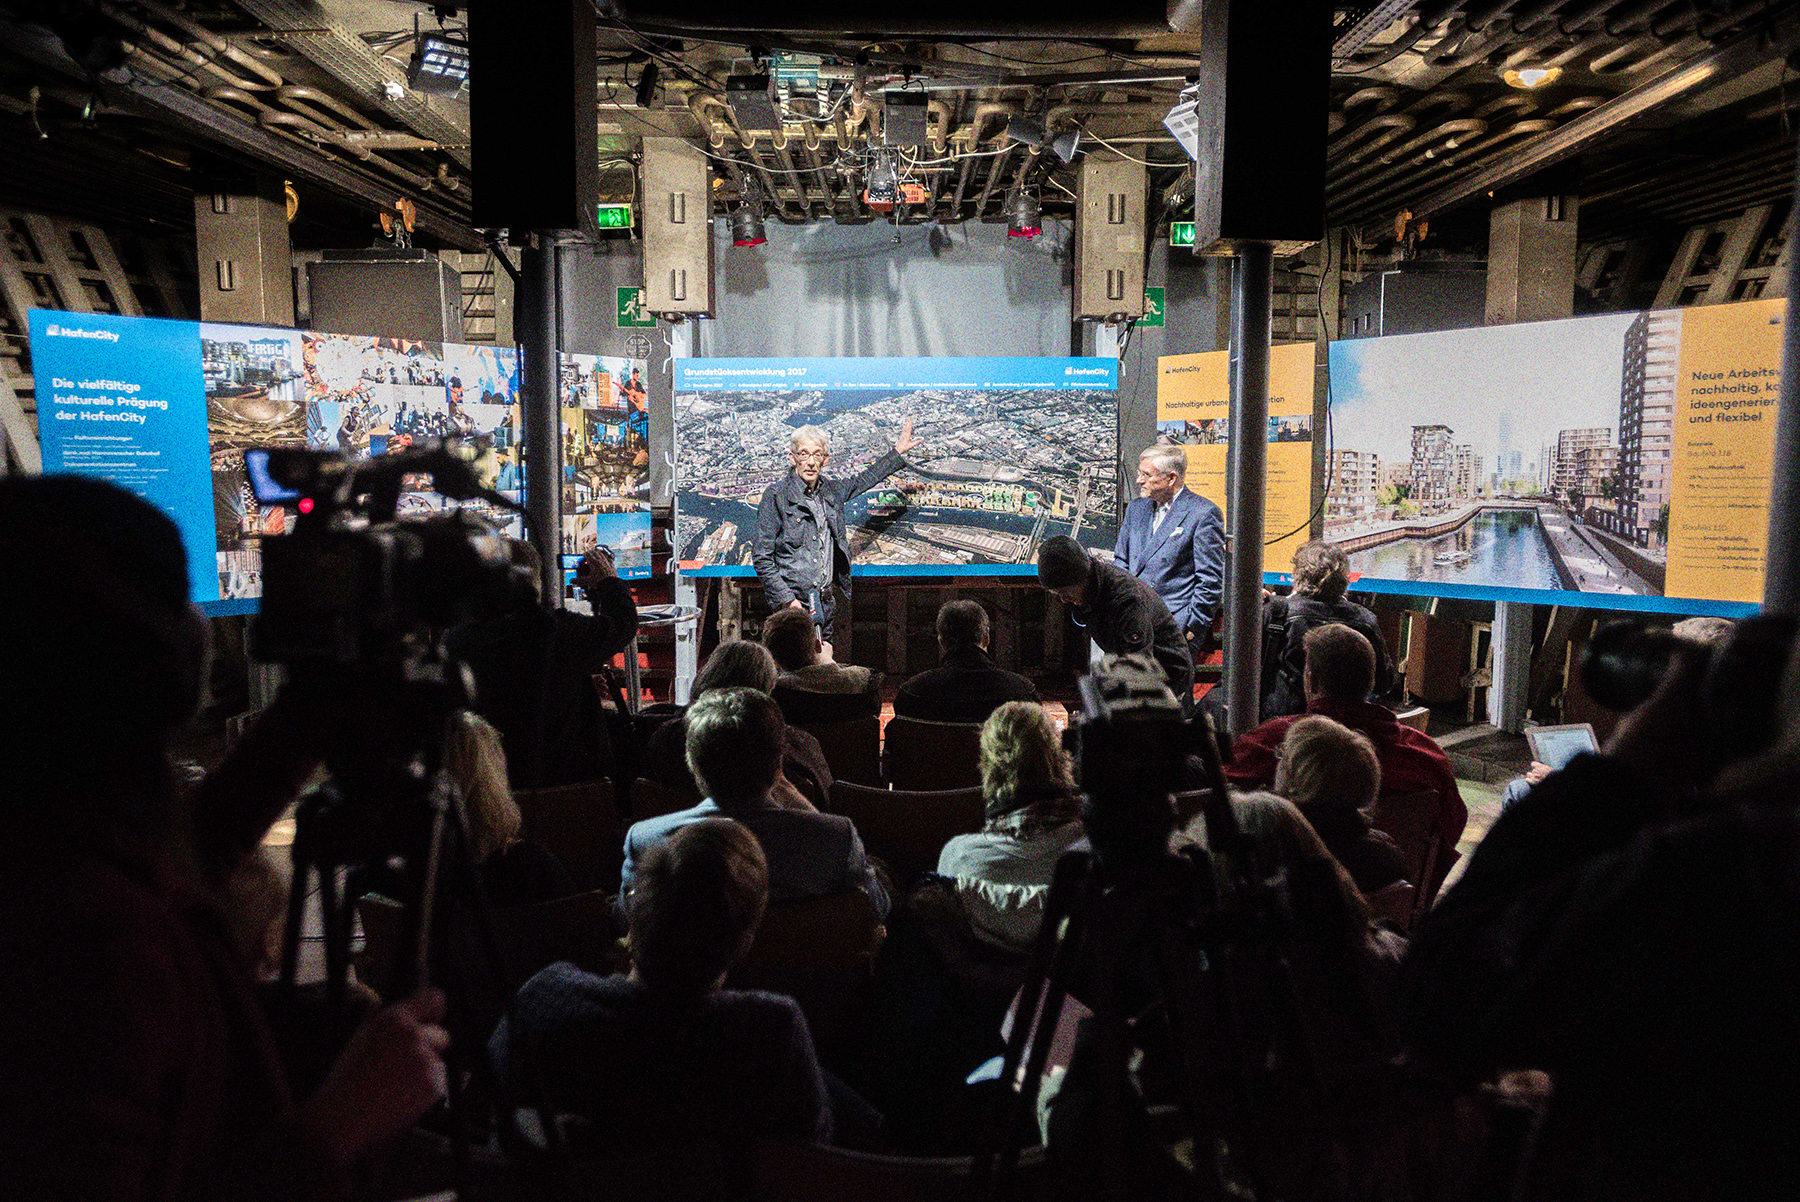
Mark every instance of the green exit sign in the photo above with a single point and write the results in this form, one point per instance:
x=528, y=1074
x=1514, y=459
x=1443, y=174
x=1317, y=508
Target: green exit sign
x=614, y=217
x=1181, y=233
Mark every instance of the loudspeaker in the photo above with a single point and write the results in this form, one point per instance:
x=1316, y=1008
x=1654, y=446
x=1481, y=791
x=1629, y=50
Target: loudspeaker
x=532, y=121
x=1264, y=80
x=677, y=217
x=1109, y=239
x=388, y=293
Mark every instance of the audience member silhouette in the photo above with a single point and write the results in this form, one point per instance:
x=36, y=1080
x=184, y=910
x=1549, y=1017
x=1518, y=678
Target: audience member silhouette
x=534, y=668
x=1002, y=874
x=734, y=750
x=805, y=776
x=1321, y=574
x=967, y=686
x=136, y=1059
x=663, y=1054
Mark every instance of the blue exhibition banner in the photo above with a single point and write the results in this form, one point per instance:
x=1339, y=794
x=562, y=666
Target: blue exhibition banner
x=124, y=398
x=737, y=375
x=1008, y=452
x=169, y=408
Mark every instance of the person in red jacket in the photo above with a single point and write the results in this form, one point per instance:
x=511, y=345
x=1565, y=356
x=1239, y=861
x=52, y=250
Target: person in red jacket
x=1340, y=672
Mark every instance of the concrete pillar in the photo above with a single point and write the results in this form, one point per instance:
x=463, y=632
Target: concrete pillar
x=246, y=272
x=1530, y=277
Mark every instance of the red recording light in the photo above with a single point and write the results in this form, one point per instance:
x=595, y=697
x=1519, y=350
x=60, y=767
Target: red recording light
x=305, y=505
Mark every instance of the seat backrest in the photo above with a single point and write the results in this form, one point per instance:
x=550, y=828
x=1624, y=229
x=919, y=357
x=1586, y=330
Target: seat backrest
x=579, y=825
x=907, y=830
x=652, y=799
x=841, y=930
x=853, y=748
x=1398, y=903
x=579, y=929
x=807, y=1172
x=932, y=756
x=803, y=707
x=1411, y=820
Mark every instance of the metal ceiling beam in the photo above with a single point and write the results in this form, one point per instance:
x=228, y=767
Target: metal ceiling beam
x=1747, y=50
x=207, y=123
x=346, y=57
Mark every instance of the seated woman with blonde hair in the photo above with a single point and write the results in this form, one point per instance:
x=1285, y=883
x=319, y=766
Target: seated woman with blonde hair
x=1332, y=774
x=514, y=870
x=1002, y=874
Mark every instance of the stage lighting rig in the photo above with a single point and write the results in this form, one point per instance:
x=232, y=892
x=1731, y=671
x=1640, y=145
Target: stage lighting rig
x=439, y=66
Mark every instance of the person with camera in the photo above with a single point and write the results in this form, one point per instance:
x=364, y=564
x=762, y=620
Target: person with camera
x=534, y=670
x=1122, y=614
x=137, y=1062
x=801, y=549
x=1629, y=925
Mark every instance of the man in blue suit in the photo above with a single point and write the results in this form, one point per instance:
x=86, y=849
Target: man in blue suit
x=1174, y=541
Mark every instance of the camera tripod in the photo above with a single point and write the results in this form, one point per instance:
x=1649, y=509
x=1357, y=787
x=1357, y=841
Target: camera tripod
x=1181, y=960
x=391, y=820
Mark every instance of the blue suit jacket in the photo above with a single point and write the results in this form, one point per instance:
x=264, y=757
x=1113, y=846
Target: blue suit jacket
x=1184, y=561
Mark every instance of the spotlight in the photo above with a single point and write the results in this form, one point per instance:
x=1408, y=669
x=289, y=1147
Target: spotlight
x=1024, y=129
x=883, y=189
x=1531, y=77
x=1184, y=121
x=439, y=67
x=747, y=218
x=1066, y=145
x=1024, y=215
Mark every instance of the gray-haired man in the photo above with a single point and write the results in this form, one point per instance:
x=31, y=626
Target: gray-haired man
x=801, y=550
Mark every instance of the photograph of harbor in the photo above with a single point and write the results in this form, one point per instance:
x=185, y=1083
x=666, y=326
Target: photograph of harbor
x=1533, y=456
x=996, y=471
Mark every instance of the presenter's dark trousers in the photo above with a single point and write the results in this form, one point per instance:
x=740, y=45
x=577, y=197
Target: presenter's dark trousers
x=823, y=604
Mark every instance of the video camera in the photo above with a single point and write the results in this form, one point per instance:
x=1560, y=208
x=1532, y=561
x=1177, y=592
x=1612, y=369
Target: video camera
x=1626, y=661
x=1131, y=745
x=354, y=583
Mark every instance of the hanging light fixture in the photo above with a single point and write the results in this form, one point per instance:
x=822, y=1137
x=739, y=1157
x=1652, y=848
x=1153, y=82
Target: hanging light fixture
x=1024, y=215
x=747, y=218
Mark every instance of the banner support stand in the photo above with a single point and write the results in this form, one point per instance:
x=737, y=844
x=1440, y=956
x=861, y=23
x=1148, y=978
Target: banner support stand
x=540, y=341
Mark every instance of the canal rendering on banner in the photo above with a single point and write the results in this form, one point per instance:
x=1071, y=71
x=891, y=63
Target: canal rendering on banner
x=1625, y=457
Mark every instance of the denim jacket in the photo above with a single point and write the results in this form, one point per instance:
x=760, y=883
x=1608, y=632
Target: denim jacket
x=783, y=526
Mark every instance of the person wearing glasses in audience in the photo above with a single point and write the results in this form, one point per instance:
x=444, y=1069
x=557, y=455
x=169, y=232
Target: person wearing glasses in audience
x=802, y=552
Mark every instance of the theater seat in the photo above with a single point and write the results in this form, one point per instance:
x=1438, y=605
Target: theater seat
x=932, y=756
x=907, y=830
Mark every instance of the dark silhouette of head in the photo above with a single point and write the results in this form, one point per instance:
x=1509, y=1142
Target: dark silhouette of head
x=1062, y=563
x=694, y=903
x=962, y=625
x=791, y=638
x=1321, y=571
x=1340, y=664
x=104, y=655
x=734, y=744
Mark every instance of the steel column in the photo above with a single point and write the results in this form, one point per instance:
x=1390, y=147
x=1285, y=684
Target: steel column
x=682, y=345
x=539, y=343
x=1251, y=280
x=1781, y=578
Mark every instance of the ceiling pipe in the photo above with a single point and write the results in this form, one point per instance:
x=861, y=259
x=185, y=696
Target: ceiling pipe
x=1734, y=57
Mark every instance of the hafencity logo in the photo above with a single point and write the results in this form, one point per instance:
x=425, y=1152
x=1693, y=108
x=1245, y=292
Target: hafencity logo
x=55, y=331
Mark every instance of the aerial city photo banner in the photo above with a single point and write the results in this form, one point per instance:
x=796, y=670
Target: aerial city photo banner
x=1193, y=408
x=1624, y=457
x=1011, y=451
x=167, y=409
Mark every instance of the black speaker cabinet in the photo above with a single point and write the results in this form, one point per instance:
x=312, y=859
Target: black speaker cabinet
x=1265, y=87
x=536, y=154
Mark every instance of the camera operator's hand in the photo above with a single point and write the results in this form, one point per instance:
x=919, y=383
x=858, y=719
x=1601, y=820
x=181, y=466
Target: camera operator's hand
x=391, y=1073
x=595, y=566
